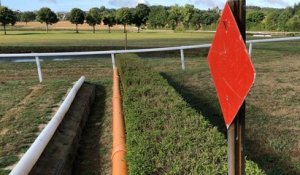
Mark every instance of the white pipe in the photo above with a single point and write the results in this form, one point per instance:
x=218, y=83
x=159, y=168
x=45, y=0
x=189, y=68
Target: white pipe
x=182, y=59
x=31, y=156
x=38, y=66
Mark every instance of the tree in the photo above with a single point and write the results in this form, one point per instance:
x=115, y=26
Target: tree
x=109, y=19
x=124, y=17
x=77, y=17
x=46, y=15
x=141, y=15
x=283, y=19
x=254, y=20
x=197, y=19
x=187, y=13
x=7, y=16
x=28, y=16
x=272, y=20
x=255, y=17
x=93, y=17
x=294, y=23
x=175, y=16
x=158, y=17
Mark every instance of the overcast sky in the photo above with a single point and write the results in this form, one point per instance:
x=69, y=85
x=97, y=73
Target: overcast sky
x=66, y=5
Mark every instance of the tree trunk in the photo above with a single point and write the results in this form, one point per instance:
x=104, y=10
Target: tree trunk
x=139, y=29
x=47, y=28
x=4, y=29
x=93, y=29
x=108, y=29
x=124, y=28
x=76, y=28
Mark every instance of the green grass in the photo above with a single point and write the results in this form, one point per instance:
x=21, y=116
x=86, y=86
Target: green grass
x=26, y=105
x=37, y=41
x=272, y=125
x=164, y=134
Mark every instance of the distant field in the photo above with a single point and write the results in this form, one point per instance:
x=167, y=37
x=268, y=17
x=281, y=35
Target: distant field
x=40, y=41
x=63, y=25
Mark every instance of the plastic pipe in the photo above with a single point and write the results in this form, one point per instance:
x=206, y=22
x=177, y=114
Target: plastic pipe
x=31, y=156
x=119, y=164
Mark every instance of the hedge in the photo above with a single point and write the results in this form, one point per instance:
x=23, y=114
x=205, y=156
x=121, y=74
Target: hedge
x=164, y=135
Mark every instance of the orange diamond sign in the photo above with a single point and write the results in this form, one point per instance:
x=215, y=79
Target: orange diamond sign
x=231, y=67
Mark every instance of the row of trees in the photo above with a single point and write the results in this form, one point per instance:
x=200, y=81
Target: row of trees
x=287, y=19
x=172, y=17
x=155, y=17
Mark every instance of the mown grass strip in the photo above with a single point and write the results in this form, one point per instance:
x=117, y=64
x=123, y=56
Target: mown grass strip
x=164, y=134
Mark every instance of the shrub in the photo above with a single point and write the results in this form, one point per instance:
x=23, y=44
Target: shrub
x=164, y=134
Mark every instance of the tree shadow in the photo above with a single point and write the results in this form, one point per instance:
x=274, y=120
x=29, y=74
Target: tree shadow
x=273, y=163
x=88, y=160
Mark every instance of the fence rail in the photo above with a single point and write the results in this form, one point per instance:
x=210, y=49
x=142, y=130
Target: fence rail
x=113, y=52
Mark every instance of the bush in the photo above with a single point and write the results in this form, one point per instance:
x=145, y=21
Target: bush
x=164, y=134
x=180, y=28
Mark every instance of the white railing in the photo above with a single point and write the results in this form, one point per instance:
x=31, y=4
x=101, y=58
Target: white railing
x=113, y=52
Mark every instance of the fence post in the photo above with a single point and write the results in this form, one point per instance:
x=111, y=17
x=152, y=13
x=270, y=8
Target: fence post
x=182, y=59
x=250, y=48
x=113, y=60
x=38, y=65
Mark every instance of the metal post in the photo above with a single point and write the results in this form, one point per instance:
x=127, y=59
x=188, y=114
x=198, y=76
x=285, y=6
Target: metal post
x=250, y=48
x=38, y=65
x=113, y=60
x=238, y=8
x=182, y=59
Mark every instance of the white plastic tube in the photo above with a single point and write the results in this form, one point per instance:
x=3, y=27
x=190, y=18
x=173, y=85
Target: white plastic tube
x=29, y=159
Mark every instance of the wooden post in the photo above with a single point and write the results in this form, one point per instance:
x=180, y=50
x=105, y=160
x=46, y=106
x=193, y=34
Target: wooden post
x=125, y=39
x=238, y=8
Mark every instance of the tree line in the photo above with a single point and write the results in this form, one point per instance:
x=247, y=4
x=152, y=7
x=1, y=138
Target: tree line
x=174, y=17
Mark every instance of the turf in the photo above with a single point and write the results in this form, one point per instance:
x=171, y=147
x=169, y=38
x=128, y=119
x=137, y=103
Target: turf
x=27, y=105
x=164, y=134
x=37, y=41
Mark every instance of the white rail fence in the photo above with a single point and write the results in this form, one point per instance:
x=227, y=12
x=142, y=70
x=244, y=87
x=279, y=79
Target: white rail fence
x=113, y=52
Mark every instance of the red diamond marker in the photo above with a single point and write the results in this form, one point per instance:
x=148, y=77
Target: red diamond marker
x=231, y=68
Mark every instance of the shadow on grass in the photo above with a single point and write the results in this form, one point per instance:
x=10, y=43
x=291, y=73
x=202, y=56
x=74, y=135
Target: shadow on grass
x=88, y=160
x=256, y=150
x=203, y=104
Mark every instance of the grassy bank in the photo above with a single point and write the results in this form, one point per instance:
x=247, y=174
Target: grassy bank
x=164, y=134
x=27, y=105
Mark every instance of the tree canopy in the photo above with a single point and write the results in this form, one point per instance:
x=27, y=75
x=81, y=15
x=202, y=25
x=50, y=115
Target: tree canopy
x=109, y=19
x=94, y=17
x=46, y=15
x=141, y=14
x=7, y=16
x=124, y=17
x=77, y=17
x=28, y=16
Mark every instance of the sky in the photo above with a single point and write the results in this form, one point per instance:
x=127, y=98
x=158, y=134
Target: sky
x=67, y=5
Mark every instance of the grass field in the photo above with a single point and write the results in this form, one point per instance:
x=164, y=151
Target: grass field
x=272, y=106
x=26, y=106
x=39, y=41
